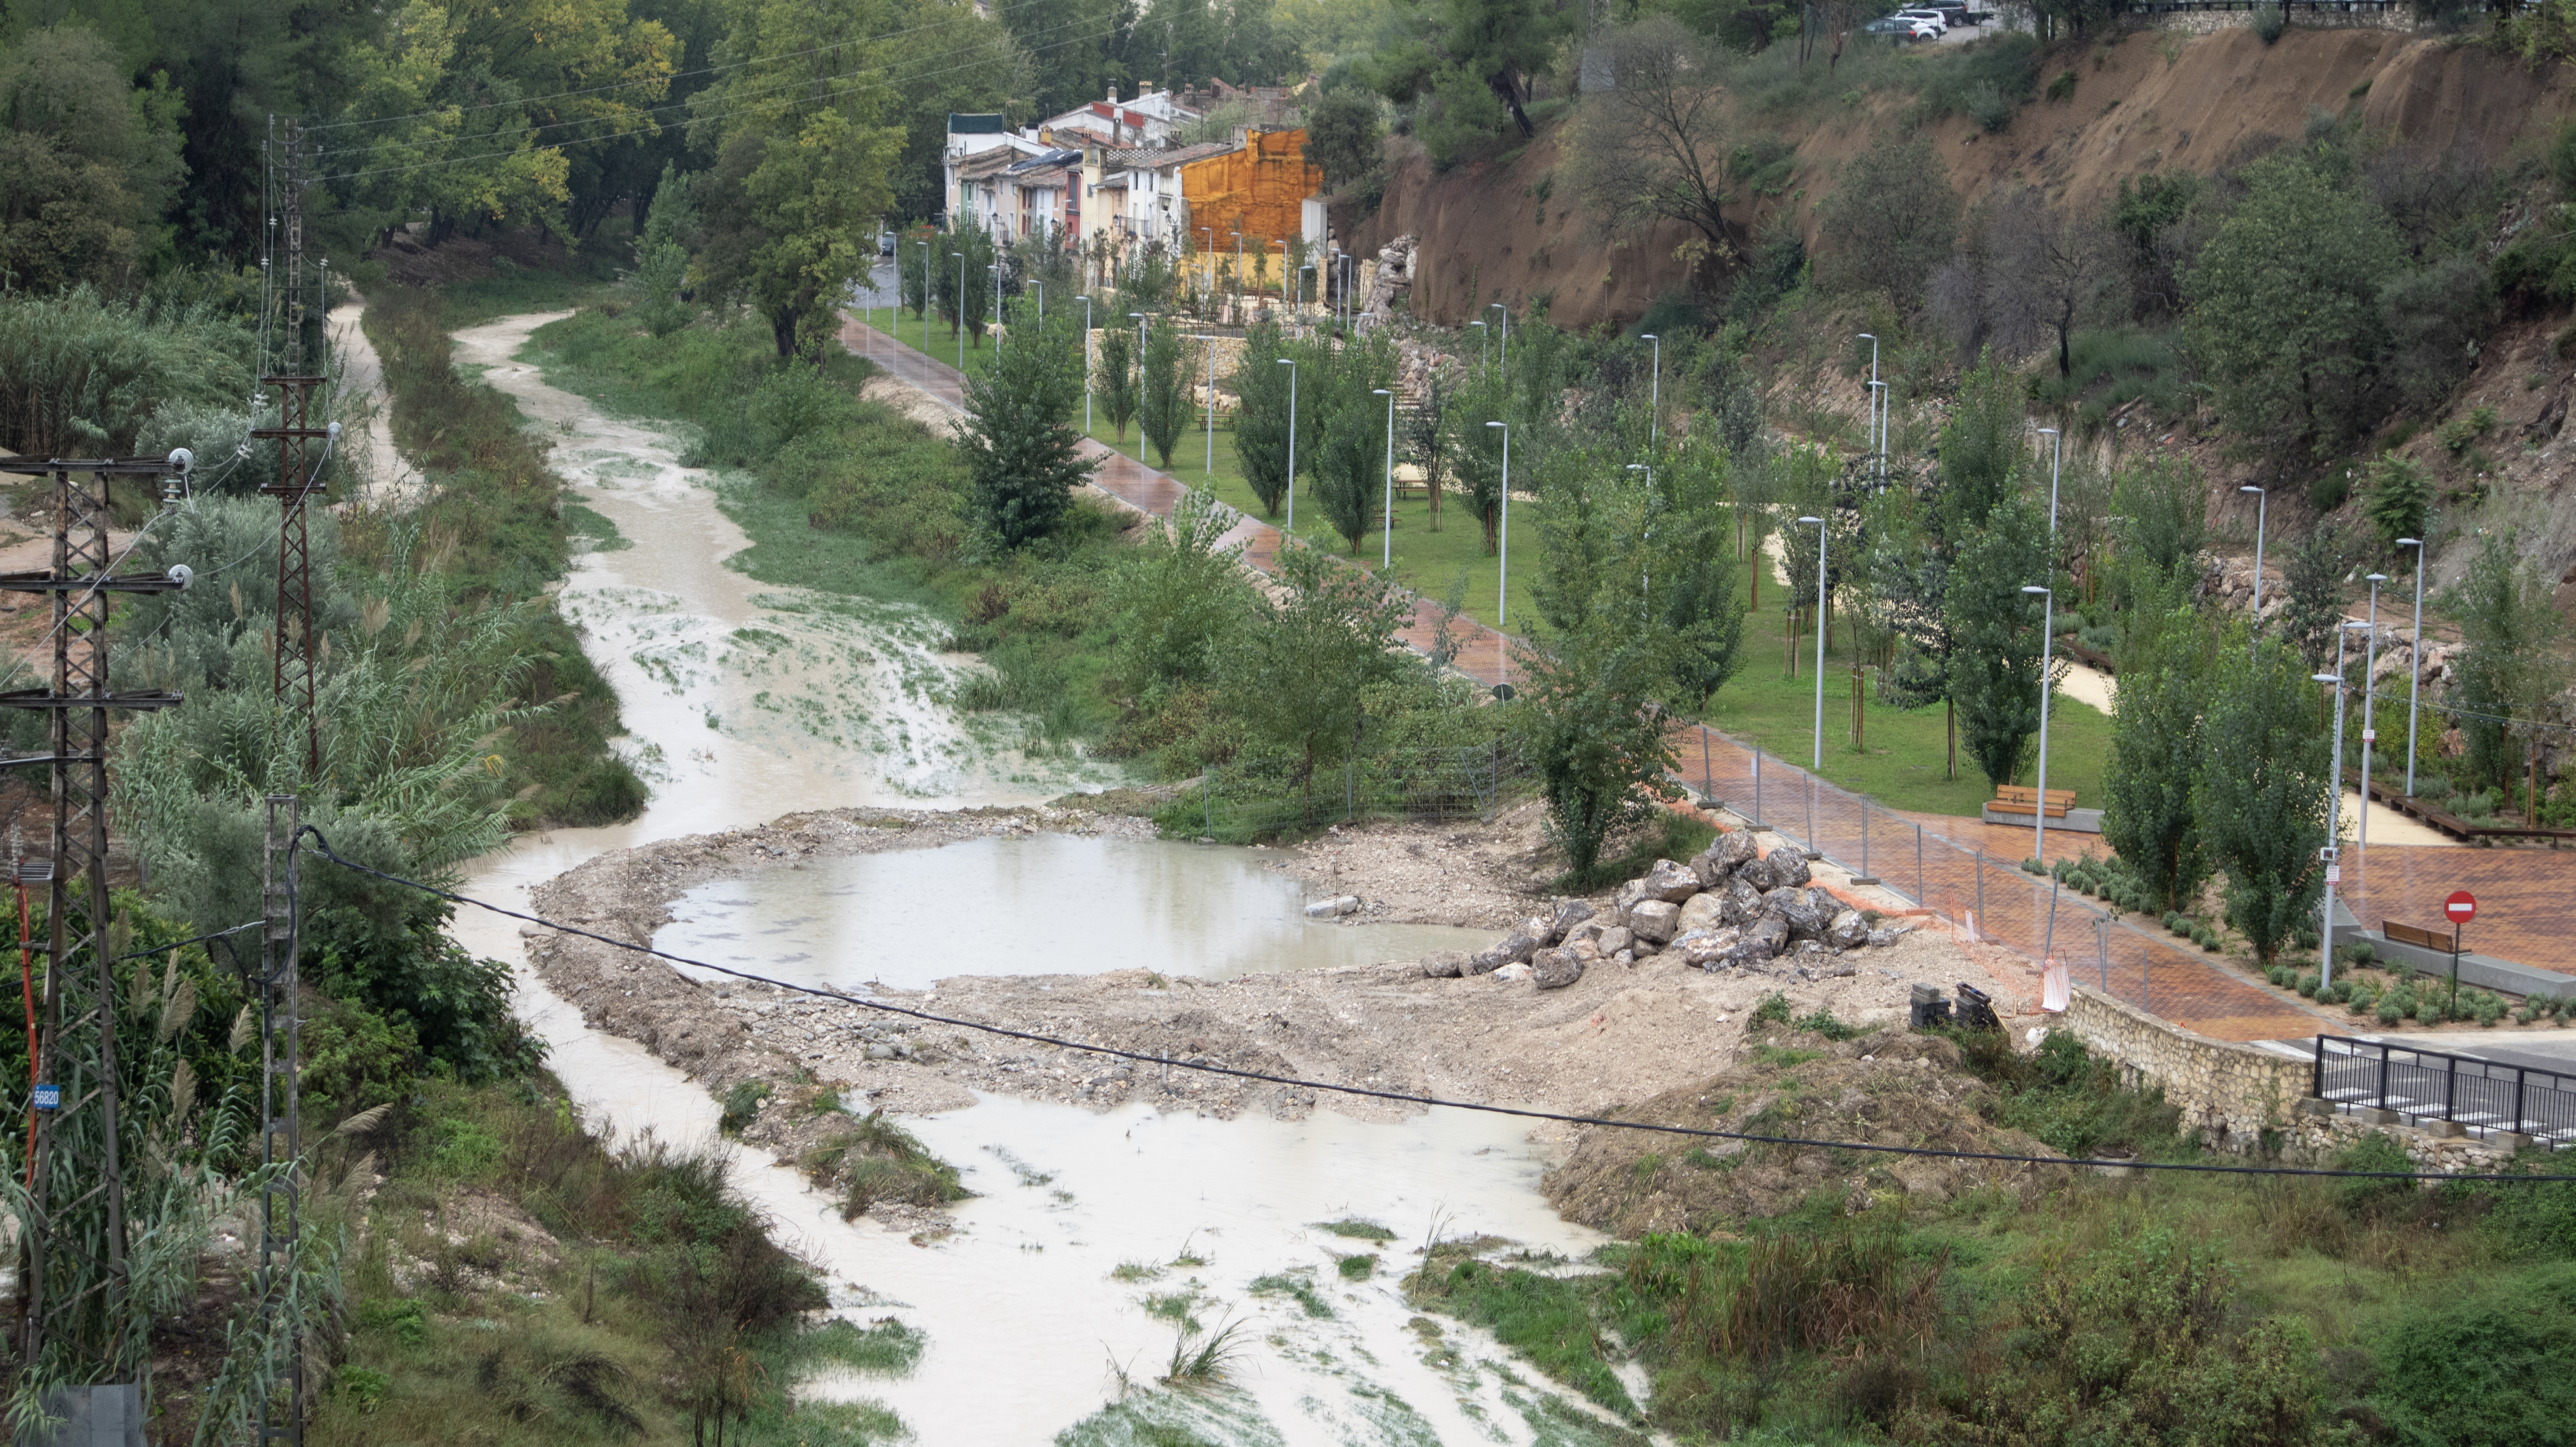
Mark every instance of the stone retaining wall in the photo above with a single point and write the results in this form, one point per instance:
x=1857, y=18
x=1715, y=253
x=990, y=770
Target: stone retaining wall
x=2236, y=1095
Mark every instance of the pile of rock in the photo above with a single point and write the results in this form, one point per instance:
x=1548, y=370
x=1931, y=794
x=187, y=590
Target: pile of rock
x=1729, y=908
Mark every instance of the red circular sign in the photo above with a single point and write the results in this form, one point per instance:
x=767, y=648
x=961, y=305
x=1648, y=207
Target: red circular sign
x=2462, y=906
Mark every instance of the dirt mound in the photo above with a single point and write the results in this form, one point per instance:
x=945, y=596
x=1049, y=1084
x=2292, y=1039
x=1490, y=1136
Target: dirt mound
x=1887, y=1087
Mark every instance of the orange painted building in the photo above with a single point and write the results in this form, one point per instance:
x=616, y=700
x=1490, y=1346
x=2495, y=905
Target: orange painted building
x=1260, y=190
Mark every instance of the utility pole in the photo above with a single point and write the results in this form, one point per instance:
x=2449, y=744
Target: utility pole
x=298, y=470
x=281, y=1142
x=73, y=1278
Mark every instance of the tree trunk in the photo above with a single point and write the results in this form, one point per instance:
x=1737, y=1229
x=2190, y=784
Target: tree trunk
x=782, y=330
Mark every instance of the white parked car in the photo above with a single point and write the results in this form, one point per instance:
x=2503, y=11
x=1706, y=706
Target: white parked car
x=1939, y=22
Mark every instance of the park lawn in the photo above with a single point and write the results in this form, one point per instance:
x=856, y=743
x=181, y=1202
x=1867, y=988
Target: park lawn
x=1902, y=769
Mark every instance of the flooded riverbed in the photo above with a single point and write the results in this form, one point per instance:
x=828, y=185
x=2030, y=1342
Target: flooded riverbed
x=1044, y=905
x=1096, y=1239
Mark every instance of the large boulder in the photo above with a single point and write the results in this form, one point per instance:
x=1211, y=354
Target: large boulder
x=1445, y=964
x=1614, y=939
x=1538, y=927
x=1792, y=908
x=1556, y=969
x=1653, y=920
x=1733, y=851
x=1743, y=902
x=1702, y=911
x=1788, y=868
x=1570, y=913
x=1701, y=947
x=1512, y=949
x=1755, y=874
x=1847, y=930
x=1770, y=933
x=1672, y=883
x=1626, y=899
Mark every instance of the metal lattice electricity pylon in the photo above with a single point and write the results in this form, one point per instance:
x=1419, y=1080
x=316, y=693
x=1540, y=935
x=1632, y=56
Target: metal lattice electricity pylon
x=72, y=1282
x=298, y=470
x=281, y=1142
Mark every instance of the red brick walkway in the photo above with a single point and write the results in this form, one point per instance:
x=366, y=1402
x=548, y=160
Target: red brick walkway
x=1930, y=858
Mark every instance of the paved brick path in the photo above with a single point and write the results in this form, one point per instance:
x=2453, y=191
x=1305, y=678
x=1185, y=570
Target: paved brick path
x=1905, y=850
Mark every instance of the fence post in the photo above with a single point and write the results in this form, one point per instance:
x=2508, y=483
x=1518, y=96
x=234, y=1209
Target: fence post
x=1919, y=898
x=1864, y=841
x=2317, y=1074
x=2450, y=1084
x=2383, y=1077
x=1493, y=778
x=1757, y=784
x=1981, y=889
x=2519, y=1075
x=1207, y=798
x=1707, y=776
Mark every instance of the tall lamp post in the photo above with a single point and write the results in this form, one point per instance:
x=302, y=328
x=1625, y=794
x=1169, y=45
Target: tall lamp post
x=960, y=258
x=926, y=300
x=1821, y=534
x=1873, y=389
x=1655, y=396
x=2369, y=698
x=1503, y=550
x=1209, y=340
x=1506, y=344
x=2262, y=510
x=1291, y=364
x=1645, y=579
x=2334, y=828
x=996, y=269
x=1484, y=346
x=2047, y=627
x=2414, y=660
x=1878, y=429
x=2057, y=451
x=1086, y=364
x=1387, y=558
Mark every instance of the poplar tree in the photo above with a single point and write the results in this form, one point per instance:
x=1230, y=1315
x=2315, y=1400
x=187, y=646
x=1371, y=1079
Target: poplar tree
x=1113, y=381
x=1995, y=632
x=2156, y=748
x=1261, y=417
x=1021, y=444
x=1164, y=396
x=2263, y=789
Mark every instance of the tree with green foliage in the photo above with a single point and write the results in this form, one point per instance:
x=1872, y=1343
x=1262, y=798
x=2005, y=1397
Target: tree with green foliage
x=798, y=187
x=2510, y=673
x=1019, y=436
x=1350, y=471
x=1995, y=630
x=1687, y=569
x=86, y=163
x=1606, y=660
x=1113, y=379
x=1981, y=448
x=2399, y=497
x=2167, y=652
x=1662, y=145
x=2312, y=594
x=1261, y=415
x=2284, y=314
x=2264, y=784
x=1298, y=675
x=1459, y=47
x=948, y=57
x=1179, y=598
x=661, y=262
x=1891, y=220
x=1163, y=402
x=1478, y=448
x=1422, y=437
x=961, y=276
x=2163, y=504
x=1344, y=135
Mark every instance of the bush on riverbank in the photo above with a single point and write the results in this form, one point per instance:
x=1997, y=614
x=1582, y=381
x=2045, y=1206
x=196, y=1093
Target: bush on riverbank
x=1830, y=1296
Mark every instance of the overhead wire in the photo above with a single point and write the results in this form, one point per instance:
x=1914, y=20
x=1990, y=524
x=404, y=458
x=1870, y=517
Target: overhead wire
x=323, y=844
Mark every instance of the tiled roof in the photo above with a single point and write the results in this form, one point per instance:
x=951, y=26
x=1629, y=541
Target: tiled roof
x=1151, y=158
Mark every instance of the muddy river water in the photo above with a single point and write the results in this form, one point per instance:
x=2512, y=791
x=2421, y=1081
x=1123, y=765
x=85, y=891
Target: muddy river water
x=1096, y=1241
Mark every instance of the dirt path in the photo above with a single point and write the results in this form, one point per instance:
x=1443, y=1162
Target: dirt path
x=361, y=386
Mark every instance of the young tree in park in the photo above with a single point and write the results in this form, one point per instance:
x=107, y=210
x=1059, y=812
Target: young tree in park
x=2166, y=656
x=1478, y=448
x=1995, y=631
x=1612, y=653
x=1021, y=444
x=1981, y=448
x=1261, y=415
x=2511, y=671
x=1180, y=596
x=2263, y=788
x=1297, y=675
x=2312, y=594
x=1113, y=381
x=965, y=293
x=1350, y=471
x=1422, y=437
x=2284, y=309
x=1687, y=568
x=1163, y=401
x=799, y=183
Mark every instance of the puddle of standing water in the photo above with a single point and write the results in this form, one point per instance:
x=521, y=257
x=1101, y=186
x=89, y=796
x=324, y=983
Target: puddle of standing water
x=1048, y=905
x=1020, y=1309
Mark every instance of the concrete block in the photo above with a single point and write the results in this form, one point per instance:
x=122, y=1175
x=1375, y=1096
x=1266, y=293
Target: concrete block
x=2448, y=1130
x=2373, y=1115
x=2506, y=1140
x=2314, y=1107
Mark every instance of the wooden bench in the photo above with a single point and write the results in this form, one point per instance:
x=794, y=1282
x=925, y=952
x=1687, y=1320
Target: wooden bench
x=2407, y=934
x=2014, y=799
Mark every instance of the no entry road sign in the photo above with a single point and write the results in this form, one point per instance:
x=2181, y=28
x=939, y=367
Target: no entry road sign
x=2462, y=906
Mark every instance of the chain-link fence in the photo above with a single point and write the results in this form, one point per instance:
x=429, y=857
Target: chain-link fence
x=1263, y=798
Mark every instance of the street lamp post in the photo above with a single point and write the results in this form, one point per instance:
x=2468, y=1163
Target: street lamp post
x=2369, y=698
x=2334, y=825
x=1387, y=558
x=996, y=269
x=1873, y=389
x=1821, y=534
x=1878, y=428
x=1655, y=396
x=925, y=308
x=1086, y=364
x=1645, y=578
x=1503, y=549
x=2262, y=509
x=1291, y=364
x=2057, y=452
x=2047, y=626
x=1505, y=346
x=1484, y=346
x=1208, y=339
x=2414, y=660
x=960, y=258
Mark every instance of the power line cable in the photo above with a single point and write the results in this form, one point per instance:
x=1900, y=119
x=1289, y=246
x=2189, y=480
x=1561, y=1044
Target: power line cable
x=1401, y=1097
x=191, y=940
x=651, y=80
